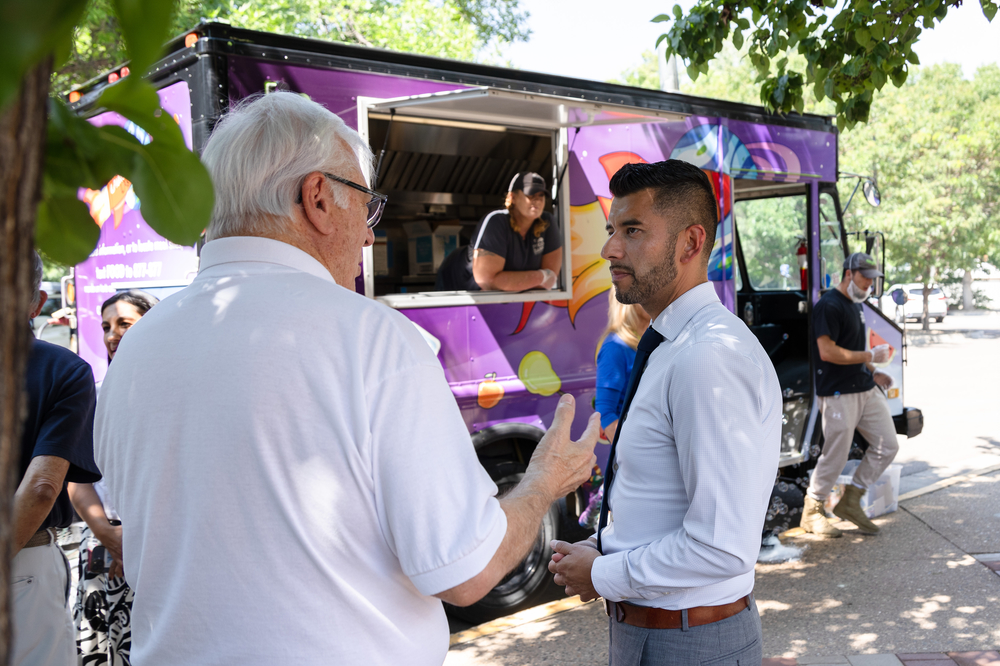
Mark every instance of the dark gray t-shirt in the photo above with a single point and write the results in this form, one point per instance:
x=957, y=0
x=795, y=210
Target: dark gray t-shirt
x=843, y=320
x=494, y=234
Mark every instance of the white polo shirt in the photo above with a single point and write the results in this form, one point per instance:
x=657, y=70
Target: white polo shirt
x=697, y=459
x=291, y=470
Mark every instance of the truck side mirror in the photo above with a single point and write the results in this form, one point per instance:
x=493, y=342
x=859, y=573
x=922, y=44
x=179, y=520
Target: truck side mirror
x=872, y=195
x=878, y=287
x=899, y=297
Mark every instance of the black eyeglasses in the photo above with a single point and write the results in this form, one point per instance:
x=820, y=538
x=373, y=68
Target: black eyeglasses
x=375, y=206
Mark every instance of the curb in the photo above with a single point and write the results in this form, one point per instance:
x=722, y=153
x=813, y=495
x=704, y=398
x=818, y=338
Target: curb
x=562, y=605
x=950, y=481
x=934, y=487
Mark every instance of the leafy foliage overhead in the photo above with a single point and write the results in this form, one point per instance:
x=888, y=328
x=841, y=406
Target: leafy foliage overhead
x=171, y=181
x=460, y=29
x=851, y=48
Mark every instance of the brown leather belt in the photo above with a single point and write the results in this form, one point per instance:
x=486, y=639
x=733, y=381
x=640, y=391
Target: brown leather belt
x=40, y=538
x=658, y=618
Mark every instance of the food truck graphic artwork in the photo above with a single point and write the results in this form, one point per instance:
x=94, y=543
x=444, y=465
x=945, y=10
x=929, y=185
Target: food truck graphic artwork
x=447, y=137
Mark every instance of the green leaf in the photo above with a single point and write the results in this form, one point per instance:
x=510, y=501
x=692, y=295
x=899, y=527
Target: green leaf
x=743, y=23
x=692, y=72
x=863, y=36
x=29, y=31
x=989, y=9
x=64, y=229
x=145, y=25
x=879, y=78
x=661, y=38
x=898, y=76
x=137, y=100
x=678, y=12
x=172, y=184
x=661, y=18
x=738, y=39
x=818, y=90
x=912, y=58
x=76, y=154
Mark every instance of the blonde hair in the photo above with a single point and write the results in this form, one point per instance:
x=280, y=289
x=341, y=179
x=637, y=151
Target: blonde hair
x=538, y=227
x=623, y=320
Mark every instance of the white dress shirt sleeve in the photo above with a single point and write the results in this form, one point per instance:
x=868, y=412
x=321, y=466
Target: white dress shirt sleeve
x=435, y=501
x=712, y=399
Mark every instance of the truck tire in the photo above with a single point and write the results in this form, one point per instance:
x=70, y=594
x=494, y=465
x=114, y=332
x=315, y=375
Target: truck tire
x=528, y=583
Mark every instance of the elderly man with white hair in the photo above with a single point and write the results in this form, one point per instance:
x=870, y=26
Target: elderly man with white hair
x=296, y=480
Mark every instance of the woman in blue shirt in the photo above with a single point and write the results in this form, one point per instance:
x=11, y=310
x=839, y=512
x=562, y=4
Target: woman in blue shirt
x=615, y=356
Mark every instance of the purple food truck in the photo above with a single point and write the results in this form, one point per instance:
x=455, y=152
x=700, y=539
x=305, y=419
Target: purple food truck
x=448, y=137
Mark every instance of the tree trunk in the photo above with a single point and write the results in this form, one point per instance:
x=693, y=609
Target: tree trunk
x=968, y=303
x=22, y=150
x=926, y=320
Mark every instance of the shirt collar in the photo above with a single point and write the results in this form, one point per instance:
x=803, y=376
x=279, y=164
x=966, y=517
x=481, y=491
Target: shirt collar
x=254, y=248
x=676, y=316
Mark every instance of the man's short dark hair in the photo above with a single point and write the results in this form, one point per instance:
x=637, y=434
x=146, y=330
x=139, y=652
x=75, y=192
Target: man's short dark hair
x=676, y=185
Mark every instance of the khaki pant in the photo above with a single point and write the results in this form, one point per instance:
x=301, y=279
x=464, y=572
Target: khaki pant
x=43, y=627
x=867, y=412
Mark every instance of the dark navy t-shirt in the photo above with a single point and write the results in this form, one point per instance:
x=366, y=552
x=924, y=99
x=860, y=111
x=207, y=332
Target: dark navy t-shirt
x=843, y=320
x=60, y=422
x=494, y=234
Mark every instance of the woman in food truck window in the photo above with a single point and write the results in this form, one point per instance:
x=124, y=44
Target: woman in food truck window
x=513, y=249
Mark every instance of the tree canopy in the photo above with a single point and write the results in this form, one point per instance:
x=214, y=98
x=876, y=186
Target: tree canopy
x=459, y=29
x=849, y=48
x=933, y=145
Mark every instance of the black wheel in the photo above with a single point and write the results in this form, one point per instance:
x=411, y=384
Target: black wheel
x=939, y=319
x=529, y=582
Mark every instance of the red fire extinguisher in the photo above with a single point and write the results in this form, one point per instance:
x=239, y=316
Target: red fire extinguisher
x=802, y=255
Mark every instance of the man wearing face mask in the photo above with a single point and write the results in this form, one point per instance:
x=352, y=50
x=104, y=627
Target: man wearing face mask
x=850, y=391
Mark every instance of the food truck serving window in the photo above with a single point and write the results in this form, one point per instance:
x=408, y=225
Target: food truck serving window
x=446, y=163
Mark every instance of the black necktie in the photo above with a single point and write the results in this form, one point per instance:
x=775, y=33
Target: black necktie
x=650, y=341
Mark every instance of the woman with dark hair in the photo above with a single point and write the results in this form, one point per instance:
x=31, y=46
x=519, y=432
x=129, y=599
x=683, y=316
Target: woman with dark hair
x=119, y=312
x=103, y=606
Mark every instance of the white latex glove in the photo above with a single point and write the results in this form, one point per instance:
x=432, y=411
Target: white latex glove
x=549, y=279
x=880, y=354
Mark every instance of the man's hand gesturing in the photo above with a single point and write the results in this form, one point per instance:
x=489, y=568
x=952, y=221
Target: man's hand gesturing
x=558, y=463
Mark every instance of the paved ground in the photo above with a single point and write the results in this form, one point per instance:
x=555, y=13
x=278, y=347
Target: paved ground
x=921, y=588
x=950, y=377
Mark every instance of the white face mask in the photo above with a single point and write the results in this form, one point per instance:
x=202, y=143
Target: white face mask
x=856, y=293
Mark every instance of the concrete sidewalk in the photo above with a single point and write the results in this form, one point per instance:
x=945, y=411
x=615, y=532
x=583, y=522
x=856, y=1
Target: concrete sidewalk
x=925, y=592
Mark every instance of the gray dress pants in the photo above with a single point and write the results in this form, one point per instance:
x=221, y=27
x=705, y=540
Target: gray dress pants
x=735, y=641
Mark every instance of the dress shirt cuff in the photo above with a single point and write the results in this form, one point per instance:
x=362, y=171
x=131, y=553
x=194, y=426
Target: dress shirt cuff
x=610, y=577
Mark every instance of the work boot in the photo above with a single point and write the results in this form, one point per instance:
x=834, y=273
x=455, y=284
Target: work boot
x=814, y=520
x=849, y=508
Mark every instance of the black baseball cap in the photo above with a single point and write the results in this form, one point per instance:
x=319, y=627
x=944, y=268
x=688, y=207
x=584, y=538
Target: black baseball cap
x=528, y=182
x=859, y=262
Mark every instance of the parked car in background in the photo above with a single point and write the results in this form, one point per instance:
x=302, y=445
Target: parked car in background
x=937, y=303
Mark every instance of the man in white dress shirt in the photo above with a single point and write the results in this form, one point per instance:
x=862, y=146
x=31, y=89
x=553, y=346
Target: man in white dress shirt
x=295, y=479
x=698, y=447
